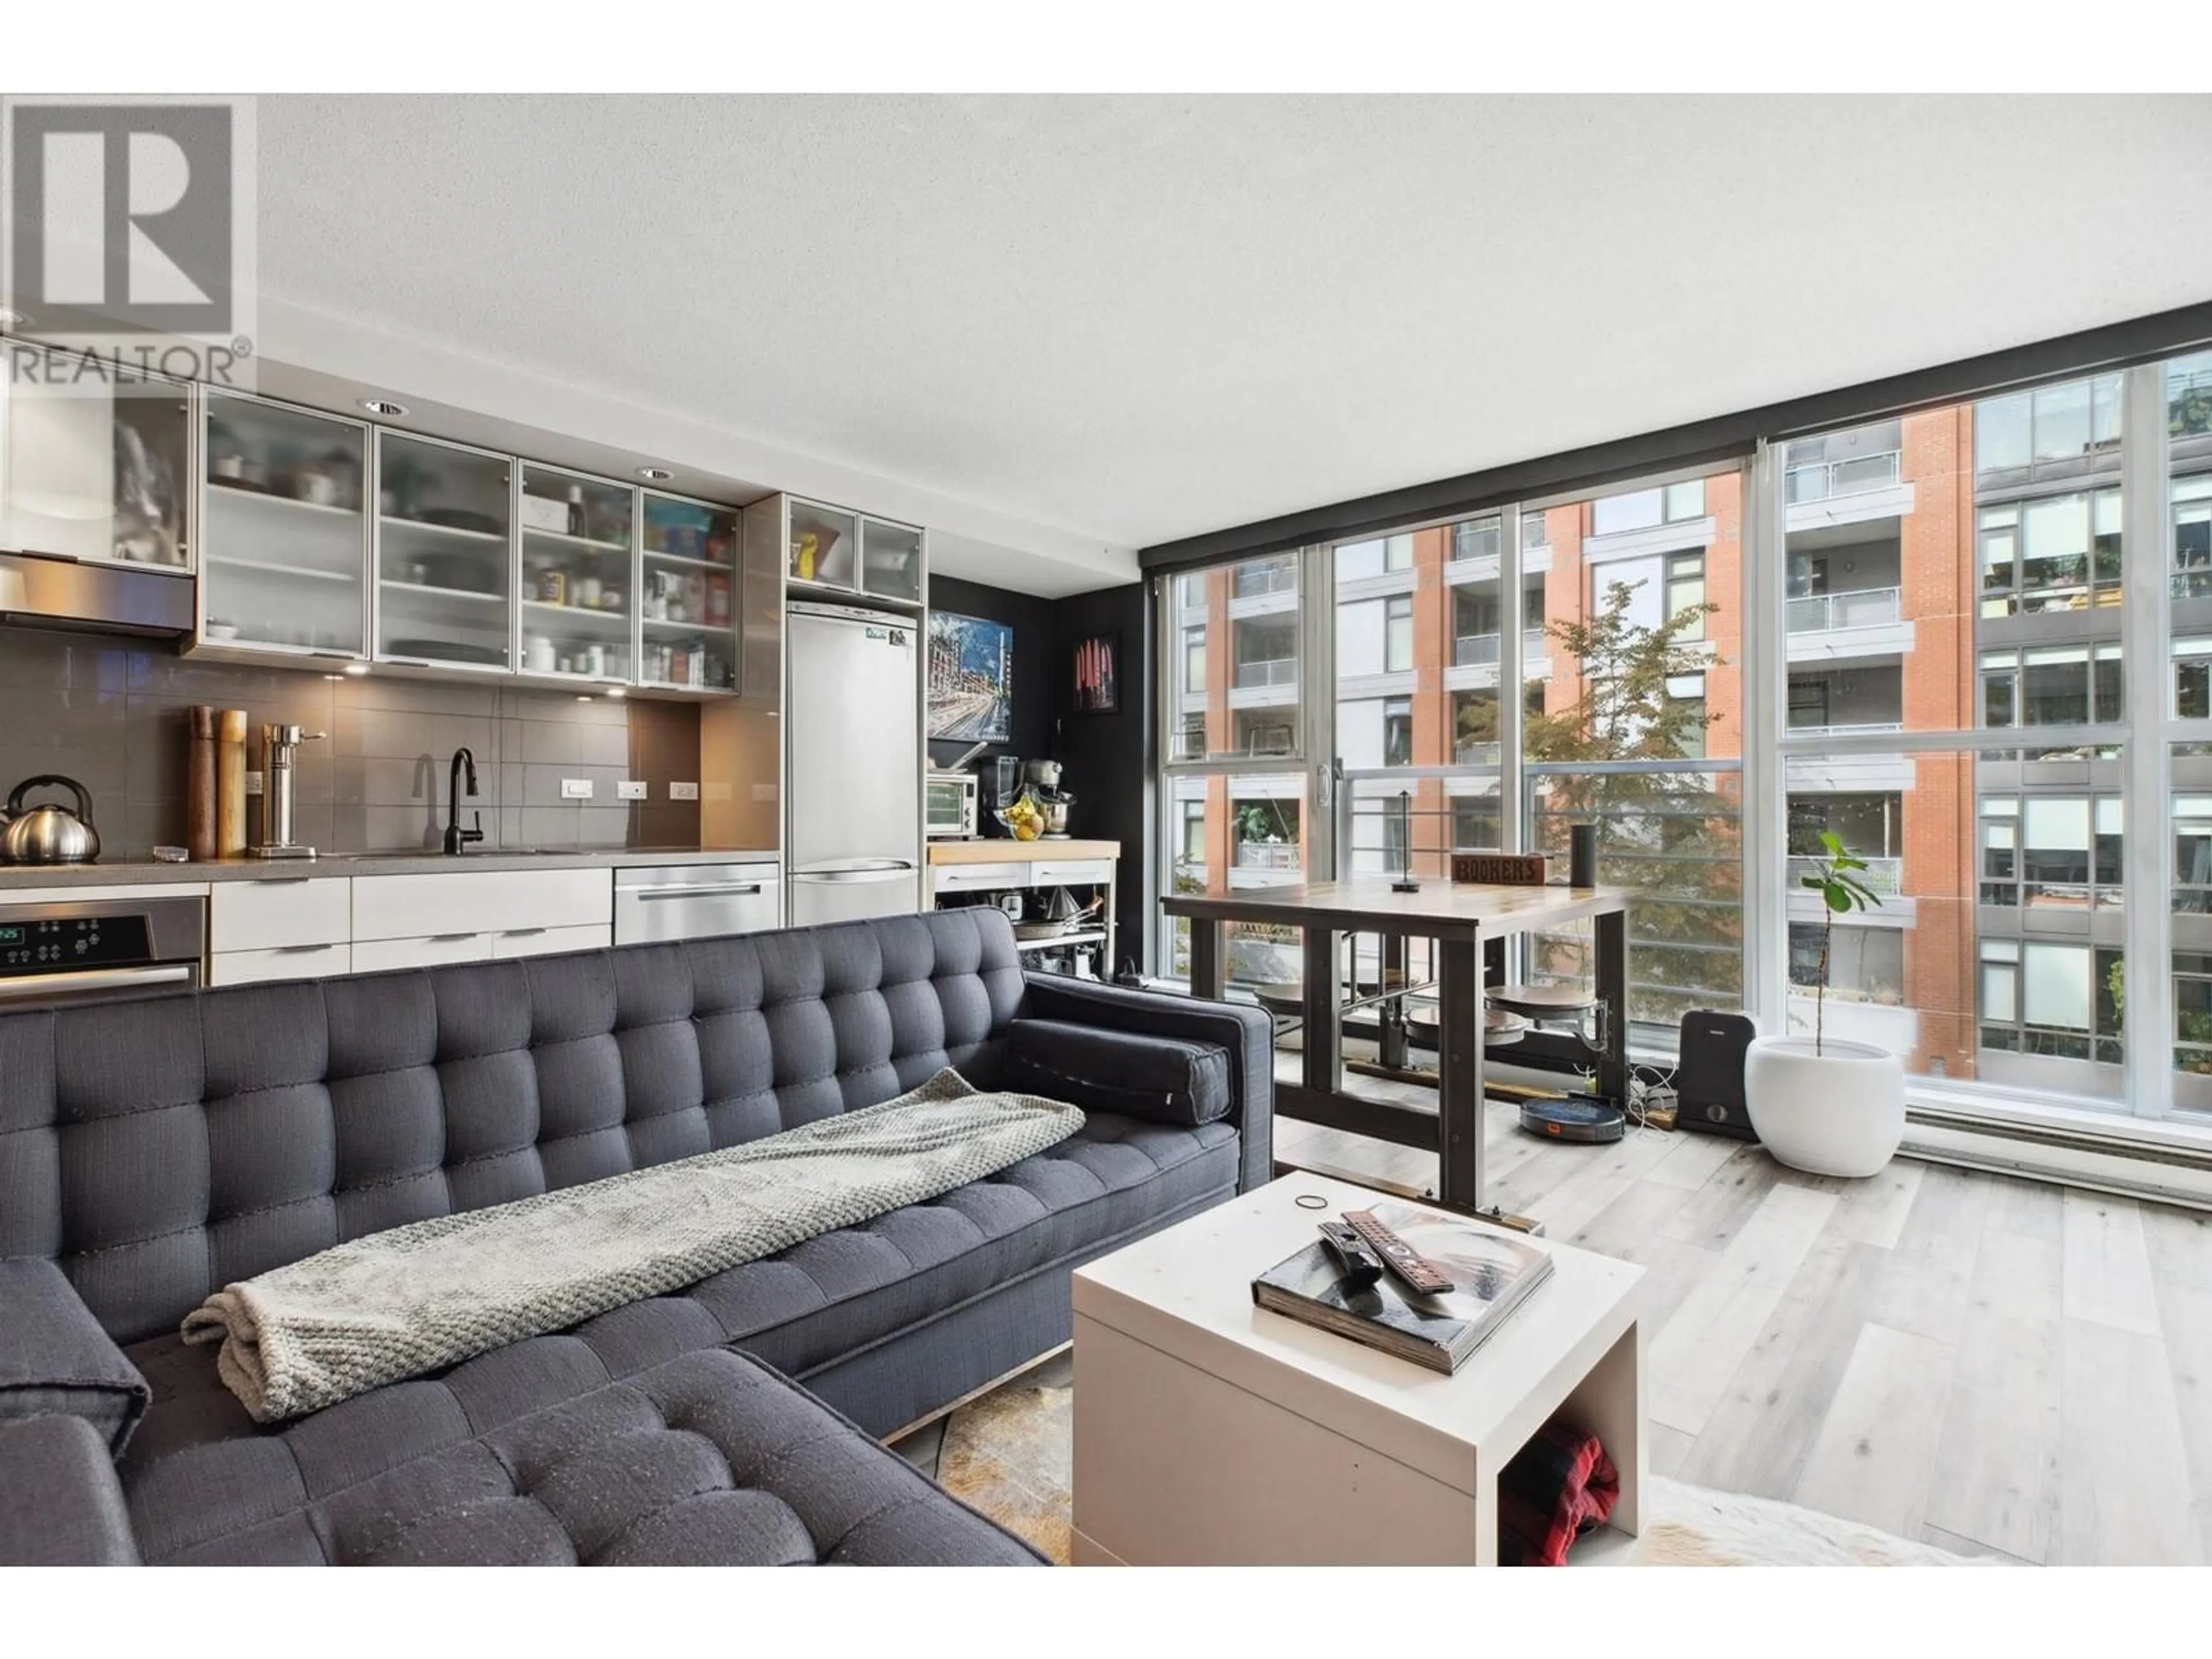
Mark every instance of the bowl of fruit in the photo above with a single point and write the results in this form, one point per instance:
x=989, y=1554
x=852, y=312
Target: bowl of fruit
x=1023, y=817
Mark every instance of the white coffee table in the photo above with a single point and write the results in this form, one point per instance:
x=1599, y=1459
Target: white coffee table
x=1209, y=1431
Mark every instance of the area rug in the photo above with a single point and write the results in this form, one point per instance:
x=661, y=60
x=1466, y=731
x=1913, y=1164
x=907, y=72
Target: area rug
x=1009, y=1454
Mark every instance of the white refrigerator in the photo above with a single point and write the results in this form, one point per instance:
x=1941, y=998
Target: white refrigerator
x=852, y=754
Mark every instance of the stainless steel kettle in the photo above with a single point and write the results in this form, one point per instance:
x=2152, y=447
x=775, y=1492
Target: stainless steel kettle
x=47, y=833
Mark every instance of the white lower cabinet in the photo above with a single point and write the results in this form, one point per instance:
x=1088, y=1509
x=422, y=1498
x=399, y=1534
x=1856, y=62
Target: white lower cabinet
x=547, y=941
x=286, y=961
x=279, y=913
x=481, y=902
x=374, y=956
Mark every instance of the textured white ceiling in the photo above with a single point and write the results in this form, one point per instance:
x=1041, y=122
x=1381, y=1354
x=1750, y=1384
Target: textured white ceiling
x=1125, y=320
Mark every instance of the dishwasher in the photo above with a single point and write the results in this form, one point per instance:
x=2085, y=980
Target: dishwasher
x=659, y=902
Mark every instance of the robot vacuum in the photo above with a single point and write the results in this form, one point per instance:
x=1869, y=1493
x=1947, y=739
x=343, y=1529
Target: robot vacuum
x=1578, y=1117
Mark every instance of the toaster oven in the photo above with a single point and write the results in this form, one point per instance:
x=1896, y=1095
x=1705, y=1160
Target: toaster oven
x=948, y=803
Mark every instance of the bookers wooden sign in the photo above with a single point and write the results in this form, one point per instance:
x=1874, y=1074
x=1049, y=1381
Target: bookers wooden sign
x=1499, y=869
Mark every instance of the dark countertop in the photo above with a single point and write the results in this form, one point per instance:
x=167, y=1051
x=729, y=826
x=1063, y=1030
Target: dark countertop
x=149, y=873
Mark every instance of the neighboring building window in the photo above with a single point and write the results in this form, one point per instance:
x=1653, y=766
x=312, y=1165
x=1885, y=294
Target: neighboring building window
x=1356, y=560
x=1193, y=849
x=2051, y=685
x=1190, y=744
x=1398, y=634
x=2052, y=424
x=1398, y=731
x=1190, y=591
x=1476, y=539
x=1646, y=510
x=2192, y=537
x=1193, y=661
x=2042, y=998
x=1865, y=964
x=1686, y=587
x=2058, y=554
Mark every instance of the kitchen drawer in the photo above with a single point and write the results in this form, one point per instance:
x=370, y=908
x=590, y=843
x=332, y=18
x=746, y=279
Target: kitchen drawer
x=374, y=956
x=279, y=912
x=977, y=877
x=480, y=902
x=547, y=941
x=284, y=962
x=695, y=901
x=1070, y=873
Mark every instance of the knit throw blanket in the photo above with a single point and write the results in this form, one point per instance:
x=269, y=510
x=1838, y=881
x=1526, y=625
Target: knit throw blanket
x=397, y=1304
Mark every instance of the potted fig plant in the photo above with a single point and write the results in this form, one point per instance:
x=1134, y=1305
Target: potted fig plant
x=1823, y=1104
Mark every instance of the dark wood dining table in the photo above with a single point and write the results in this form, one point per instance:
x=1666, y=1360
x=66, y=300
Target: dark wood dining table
x=1463, y=921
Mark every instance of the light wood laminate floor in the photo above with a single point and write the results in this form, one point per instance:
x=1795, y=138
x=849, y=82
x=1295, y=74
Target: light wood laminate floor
x=1996, y=1366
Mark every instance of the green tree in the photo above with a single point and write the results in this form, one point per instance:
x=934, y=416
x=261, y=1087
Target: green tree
x=1673, y=834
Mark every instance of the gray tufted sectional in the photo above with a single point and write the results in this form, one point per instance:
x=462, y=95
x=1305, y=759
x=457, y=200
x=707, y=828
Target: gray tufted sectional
x=153, y=1150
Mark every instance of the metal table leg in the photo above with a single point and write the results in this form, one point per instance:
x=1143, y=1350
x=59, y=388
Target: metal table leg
x=1207, y=976
x=1322, y=1039
x=1612, y=940
x=1459, y=1073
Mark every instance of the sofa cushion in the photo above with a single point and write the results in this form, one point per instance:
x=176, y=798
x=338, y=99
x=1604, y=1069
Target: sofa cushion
x=1160, y=1079
x=56, y=1361
x=535, y=1455
x=205, y=1483
x=159, y=1149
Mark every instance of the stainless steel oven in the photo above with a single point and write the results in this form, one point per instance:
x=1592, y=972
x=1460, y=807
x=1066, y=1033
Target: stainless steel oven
x=54, y=955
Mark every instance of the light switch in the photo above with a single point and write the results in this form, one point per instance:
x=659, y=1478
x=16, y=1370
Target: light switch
x=576, y=789
x=682, y=792
x=630, y=789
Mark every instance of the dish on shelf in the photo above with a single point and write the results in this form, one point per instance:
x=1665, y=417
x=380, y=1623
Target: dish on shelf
x=1033, y=930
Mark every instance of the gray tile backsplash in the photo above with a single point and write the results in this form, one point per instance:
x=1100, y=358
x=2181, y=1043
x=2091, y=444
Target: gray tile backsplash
x=113, y=716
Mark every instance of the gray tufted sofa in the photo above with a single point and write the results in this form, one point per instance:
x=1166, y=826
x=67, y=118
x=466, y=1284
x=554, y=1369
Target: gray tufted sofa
x=152, y=1151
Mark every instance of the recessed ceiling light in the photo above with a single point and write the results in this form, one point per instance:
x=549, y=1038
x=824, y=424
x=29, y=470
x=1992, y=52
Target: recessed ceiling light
x=616, y=691
x=583, y=696
x=656, y=474
x=355, y=668
x=383, y=406
x=11, y=317
x=333, y=677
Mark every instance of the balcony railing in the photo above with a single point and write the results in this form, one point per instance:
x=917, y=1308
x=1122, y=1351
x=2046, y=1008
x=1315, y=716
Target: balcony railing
x=1254, y=581
x=1861, y=608
x=1853, y=477
x=1480, y=650
x=1858, y=729
x=1883, y=876
x=1274, y=671
x=1268, y=855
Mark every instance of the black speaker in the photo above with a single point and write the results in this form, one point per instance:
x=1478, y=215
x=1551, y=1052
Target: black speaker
x=1709, y=1081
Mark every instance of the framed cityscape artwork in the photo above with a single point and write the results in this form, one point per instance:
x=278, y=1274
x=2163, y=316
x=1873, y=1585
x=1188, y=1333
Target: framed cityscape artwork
x=972, y=678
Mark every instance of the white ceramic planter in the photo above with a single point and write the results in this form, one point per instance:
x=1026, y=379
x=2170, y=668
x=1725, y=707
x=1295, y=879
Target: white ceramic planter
x=1839, y=1113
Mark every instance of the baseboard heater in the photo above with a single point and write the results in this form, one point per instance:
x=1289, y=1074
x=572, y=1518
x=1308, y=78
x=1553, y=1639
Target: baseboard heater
x=2170, y=1173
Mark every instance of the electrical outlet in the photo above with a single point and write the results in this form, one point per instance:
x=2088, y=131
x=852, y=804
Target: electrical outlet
x=576, y=789
x=682, y=792
x=253, y=783
x=630, y=789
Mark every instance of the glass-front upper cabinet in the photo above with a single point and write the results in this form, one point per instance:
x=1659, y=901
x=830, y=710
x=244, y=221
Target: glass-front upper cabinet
x=891, y=560
x=94, y=461
x=824, y=546
x=444, y=559
x=577, y=534
x=688, y=594
x=285, y=547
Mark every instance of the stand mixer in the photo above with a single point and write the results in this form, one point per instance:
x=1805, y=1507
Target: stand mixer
x=1042, y=777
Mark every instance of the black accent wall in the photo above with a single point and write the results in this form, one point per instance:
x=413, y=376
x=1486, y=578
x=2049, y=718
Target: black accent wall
x=1106, y=758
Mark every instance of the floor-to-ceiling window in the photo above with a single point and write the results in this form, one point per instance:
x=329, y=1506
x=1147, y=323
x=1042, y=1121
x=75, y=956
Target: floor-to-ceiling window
x=1976, y=647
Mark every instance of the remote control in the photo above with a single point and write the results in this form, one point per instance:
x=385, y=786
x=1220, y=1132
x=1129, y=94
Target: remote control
x=1418, y=1273
x=1358, y=1266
